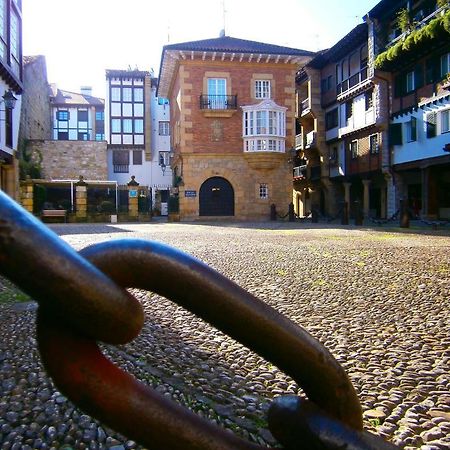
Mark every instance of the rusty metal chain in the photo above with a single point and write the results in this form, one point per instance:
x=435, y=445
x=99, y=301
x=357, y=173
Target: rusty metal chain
x=82, y=299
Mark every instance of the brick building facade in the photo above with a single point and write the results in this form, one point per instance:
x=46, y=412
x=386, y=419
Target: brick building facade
x=233, y=124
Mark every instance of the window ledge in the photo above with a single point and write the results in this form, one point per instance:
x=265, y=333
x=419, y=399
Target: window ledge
x=218, y=112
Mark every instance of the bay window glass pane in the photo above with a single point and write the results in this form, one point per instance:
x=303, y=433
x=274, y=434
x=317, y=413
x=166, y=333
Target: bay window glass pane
x=261, y=122
x=126, y=94
x=138, y=126
x=115, y=126
x=138, y=95
x=115, y=94
x=127, y=126
x=3, y=19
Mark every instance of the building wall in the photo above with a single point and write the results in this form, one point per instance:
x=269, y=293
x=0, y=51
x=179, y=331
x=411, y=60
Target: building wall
x=210, y=144
x=70, y=159
x=35, y=121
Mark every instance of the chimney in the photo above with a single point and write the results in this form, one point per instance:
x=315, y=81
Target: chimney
x=86, y=90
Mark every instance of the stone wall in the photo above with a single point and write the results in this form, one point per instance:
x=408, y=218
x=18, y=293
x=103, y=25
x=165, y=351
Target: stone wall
x=70, y=159
x=35, y=121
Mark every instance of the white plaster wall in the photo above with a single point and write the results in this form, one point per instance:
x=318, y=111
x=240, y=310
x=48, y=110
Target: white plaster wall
x=424, y=147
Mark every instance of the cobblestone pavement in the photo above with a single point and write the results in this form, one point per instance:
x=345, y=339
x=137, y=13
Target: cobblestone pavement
x=378, y=299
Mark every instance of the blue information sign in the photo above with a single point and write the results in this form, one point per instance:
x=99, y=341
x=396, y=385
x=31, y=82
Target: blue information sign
x=190, y=193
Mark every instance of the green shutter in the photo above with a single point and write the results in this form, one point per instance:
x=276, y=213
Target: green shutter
x=431, y=124
x=418, y=76
x=413, y=129
x=395, y=134
x=400, y=85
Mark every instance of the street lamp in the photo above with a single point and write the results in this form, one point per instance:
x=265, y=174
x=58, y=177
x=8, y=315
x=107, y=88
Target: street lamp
x=9, y=100
x=163, y=167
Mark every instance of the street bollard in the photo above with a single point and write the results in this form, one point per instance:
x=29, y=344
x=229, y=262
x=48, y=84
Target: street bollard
x=273, y=212
x=404, y=214
x=344, y=218
x=291, y=212
x=358, y=213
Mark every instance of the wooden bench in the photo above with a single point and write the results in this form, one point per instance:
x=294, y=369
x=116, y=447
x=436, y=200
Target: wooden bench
x=54, y=213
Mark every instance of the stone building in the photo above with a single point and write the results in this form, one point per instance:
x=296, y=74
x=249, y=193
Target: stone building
x=11, y=86
x=233, y=125
x=342, y=142
x=35, y=120
x=418, y=59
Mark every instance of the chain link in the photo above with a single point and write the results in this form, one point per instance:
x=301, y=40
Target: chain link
x=82, y=299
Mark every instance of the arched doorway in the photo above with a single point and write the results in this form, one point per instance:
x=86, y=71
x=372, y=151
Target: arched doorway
x=216, y=197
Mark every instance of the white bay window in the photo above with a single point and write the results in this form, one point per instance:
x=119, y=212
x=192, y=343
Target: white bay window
x=264, y=127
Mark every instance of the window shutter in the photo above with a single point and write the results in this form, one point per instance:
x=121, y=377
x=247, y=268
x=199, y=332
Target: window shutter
x=431, y=124
x=433, y=70
x=418, y=76
x=395, y=134
x=400, y=85
x=413, y=129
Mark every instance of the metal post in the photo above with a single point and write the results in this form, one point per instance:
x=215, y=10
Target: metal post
x=344, y=218
x=404, y=214
x=291, y=212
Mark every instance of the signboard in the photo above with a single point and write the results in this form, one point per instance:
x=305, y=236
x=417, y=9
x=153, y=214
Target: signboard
x=190, y=193
x=133, y=193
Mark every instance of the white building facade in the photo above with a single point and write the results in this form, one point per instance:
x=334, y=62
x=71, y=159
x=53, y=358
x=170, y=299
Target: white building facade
x=137, y=132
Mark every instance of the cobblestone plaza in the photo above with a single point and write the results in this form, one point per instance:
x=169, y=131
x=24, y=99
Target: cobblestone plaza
x=377, y=298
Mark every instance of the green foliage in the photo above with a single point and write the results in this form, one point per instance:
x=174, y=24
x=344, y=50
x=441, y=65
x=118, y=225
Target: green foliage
x=10, y=294
x=404, y=22
x=443, y=3
x=414, y=38
x=29, y=163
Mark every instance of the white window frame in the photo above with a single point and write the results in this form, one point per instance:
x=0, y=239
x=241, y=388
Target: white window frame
x=164, y=128
x=410, y=81
x=164, y=158
x=262, y=89
x=445, y=121
x=376, y=150
x=263, y=191
x=354, y=155
x=217, y=93
x=116, y=94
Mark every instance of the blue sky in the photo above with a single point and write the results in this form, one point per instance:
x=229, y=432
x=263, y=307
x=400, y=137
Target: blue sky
x=82, y=38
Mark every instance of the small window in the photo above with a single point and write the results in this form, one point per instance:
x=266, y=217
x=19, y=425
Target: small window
x=262, y=89
x=138, y=126
x=115, y=94
x=374, y=148
x=99, y=115
x=263, y=191
x=116, y=126
x=354, y=149
x=82, y=115
x=445, y=121
x=163, y=101
x=99, y=137
x=411, y=130
x=137, y=157
x=83, y=136
x=62, y=115
x=127, y=94
x=127, y=126
x=63, y=136
x=410, y=82
x=164, y=159
x=138, y=95
x=164, y=129
x=369, y=99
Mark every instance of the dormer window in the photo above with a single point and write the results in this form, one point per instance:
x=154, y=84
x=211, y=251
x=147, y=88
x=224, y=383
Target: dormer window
x=264, y=127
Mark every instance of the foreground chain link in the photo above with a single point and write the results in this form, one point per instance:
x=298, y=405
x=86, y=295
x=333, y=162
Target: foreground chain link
x=82, y=300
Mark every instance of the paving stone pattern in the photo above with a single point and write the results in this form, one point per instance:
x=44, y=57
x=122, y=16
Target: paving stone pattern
x=378, y=300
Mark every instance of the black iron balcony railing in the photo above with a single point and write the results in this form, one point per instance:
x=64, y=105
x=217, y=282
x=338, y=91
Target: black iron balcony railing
x=351, y=82
x=121, y=168
x=218, y=101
